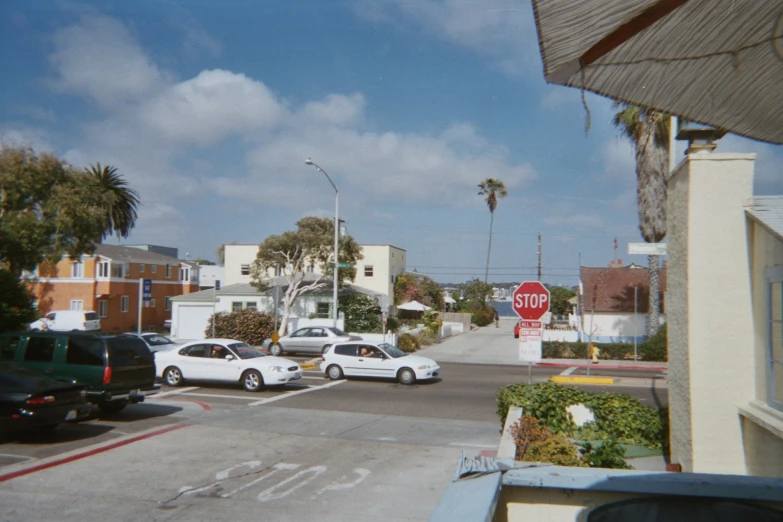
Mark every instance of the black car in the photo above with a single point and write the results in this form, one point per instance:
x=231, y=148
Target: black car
x=29, y=400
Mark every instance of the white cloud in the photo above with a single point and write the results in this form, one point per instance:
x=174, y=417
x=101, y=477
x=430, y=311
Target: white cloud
x=335, y=109
x=100, y=58
x=501, y=29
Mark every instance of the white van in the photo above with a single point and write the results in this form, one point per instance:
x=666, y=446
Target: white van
x=66, y=320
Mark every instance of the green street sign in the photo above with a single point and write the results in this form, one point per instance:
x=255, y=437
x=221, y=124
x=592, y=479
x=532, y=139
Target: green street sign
x=341, y=265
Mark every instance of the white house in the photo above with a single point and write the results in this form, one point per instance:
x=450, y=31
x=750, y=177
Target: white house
x=609, y=297
x=209, y=274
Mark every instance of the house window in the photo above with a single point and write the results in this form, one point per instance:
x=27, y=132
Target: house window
x=77, y=270
x=367, y=270
x=168, y=271
x=236, y=306
x=322, y=310
x=167, y=303
x=154, y=269
x=103, y=308
x=117, y=270
x=153, y=303
x=245, y=269
x=184, y=274
x=141, y=267
x=310, y=269
x=103, y=269
x=251, y=305
x=77, y=304
x=124, y=303
x=775, y=350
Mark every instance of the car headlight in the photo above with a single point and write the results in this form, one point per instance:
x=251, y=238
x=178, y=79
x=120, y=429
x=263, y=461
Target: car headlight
x=277, y=368
x=424, y=367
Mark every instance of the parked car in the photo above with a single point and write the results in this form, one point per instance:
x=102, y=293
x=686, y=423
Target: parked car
x=29, y=400
x=376, y=360
x=66, y=320
x=311, y=339
x=117, y=369
x=156, y=342
x=225, y=360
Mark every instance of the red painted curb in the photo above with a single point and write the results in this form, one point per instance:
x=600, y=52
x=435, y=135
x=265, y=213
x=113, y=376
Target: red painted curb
x=604, y=366
x=179, y=398
x=89, y=453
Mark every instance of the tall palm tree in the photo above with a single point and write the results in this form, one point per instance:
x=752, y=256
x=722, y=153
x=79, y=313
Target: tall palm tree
x=493, y=189
x=648, y=131
x=120, y=201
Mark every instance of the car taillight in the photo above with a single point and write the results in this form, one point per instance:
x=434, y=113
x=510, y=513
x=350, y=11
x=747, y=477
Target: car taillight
x=323, y=358
x=107, y=375
x=40, y=400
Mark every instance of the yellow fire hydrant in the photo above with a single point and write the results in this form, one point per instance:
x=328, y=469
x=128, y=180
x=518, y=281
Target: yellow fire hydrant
x=594, y=353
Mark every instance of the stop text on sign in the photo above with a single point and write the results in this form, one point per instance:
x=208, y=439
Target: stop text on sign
x=531, y=300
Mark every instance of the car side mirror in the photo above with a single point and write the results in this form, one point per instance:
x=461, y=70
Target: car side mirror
x=229, y=357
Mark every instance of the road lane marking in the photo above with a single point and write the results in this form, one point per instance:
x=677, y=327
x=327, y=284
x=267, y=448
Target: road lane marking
x=219, y=396
x=292, y=393
x=178, y=391
x=569, y=371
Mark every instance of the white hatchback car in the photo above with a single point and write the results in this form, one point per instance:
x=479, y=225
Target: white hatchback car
x=225, y=360
x=363, y=359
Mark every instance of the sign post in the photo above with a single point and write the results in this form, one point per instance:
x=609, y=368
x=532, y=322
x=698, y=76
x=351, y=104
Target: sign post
x=530, y=302
x=145, y=295
x=214, y=300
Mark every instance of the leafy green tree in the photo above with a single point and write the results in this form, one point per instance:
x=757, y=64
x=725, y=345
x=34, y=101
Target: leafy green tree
x=293, y=253
x=362, y=313
x=16, y=303
x=119, y=201
x=559, y=296
x=648, y=132
x=492, y=189
x=416, y=287
x=47, y=210
x=476, y=293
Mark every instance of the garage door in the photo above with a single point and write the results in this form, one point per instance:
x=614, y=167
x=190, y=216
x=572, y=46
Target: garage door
x=192, y=321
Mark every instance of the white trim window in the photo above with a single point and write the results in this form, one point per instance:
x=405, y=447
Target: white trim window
x=141, y=267
x=774, y=277
x=244, y=270
x=118, y=270
x=154, y=269
x=167, y=303
x=168, y=271
x=103, y=308
x=77, y=304
x=278, y=271
x=103, y=269
x=77, y=270
x=184, y=274
x=153, y=303
x=368, y=270
x=124, y=303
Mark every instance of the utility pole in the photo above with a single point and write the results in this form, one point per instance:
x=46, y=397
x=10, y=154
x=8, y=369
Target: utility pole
x=539, y=257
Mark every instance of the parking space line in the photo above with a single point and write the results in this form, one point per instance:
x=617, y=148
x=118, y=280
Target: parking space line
x=468, y=445
x=569, y=371
x=292, y=393
x=178, y=391
x=219, y=396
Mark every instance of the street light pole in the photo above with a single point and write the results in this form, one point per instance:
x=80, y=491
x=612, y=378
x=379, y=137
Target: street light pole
x=308, y=161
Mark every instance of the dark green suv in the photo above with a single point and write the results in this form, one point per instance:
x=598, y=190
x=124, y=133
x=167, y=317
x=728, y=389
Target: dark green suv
x=117, y=369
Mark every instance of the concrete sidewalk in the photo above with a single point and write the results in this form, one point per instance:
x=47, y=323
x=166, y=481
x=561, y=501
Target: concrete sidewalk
x=497, y=345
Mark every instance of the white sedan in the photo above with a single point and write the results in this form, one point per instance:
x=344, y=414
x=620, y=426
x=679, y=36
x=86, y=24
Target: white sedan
x=225, y=360
x=363, y=359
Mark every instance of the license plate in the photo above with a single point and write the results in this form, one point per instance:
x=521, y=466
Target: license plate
x=296, y=376
x=71, y=415
x=133, y=392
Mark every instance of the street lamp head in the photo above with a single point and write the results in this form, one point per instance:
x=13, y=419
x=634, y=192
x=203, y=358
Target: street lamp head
x=308, y=161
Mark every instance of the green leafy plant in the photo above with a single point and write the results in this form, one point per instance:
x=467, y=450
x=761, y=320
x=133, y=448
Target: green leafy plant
x=656, y=348
x=249, y=326
x=556, y=450
x=527, y=431
x=408, y=343
x=609, y=454
x=362, y=313
x=16, y=303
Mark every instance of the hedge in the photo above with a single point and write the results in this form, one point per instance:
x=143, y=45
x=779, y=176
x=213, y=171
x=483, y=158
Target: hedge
x=653, y=349
x=249, y=326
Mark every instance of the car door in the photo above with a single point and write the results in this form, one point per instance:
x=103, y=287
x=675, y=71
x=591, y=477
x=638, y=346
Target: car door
x=192, y=361
x=297, y=341
x=39, y=354
x=344, y=355
x=217, y=367
x=378, y=364
x=316, y=339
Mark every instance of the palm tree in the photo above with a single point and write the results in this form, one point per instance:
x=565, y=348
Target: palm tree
x=648, y=131
x=493, y=189
x=120, y=201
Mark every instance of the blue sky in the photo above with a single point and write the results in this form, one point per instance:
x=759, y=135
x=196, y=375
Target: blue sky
x=209, y=110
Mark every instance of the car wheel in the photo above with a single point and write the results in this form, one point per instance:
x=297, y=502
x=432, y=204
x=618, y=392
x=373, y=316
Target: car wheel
x=252, y=381
x=173, y=376
x=325, y=347
x=110, y=408
x=276, y=350
x=334, y=372
x=406, y=376
x=45, y=431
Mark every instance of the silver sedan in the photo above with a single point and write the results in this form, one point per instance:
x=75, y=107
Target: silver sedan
x=311, y=339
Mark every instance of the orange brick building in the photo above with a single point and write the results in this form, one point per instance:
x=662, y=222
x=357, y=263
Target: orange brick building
x=107, y=282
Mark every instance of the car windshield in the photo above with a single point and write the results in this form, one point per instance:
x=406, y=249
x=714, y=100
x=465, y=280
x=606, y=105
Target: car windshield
x=337, y=332
x=245, y=351
x=158, y=340
x=391, y=350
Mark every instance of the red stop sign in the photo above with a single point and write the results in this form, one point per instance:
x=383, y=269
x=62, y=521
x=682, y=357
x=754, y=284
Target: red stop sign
x=531, y=300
